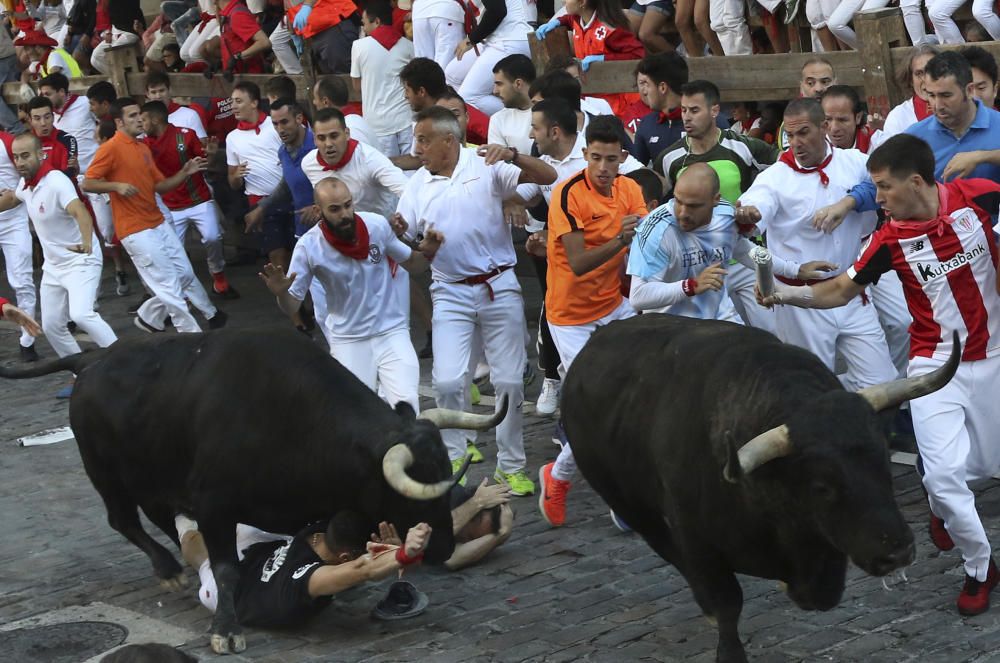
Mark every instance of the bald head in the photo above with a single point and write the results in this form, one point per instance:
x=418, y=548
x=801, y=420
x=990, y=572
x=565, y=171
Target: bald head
x=337, y=206
x=695, y=196
x=27, y=151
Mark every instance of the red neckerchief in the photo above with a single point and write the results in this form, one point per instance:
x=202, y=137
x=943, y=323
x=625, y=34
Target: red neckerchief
x=671, y=115
x=747, y=124
x=921, y=108
x=788, y=159
x=247, y=126
x=348, y=153
x=938, y=223
x=863, y=139
x=44, y=169
x=358, y=250
x=386, y=35
x=173, y=105
x=66, y=104
x=205, y=20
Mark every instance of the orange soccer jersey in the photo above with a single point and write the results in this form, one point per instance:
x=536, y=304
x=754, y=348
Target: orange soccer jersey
x=576, y=205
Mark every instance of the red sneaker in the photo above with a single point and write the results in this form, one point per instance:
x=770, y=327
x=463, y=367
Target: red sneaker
x=939, y=535
x=975, y=596
x=552, y=497
x=221, y=286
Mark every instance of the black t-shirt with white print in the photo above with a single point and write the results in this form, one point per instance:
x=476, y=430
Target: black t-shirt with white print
x=274, y=582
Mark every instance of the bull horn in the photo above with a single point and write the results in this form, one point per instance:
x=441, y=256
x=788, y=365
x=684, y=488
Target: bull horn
x=443, y=418
x=767, y=446
x=891, y=394
x=394, y=464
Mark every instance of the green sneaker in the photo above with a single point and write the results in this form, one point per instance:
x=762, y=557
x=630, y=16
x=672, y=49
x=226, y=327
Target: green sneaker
x=474, y=397
x=471, y=450
x=519, y=482
x=456, y=465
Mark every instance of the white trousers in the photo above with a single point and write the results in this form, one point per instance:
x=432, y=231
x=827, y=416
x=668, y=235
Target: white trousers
x=956, y=429
x=472, y=76
x=913, y=19
x=941, y=11
x=729, y=23
x=852, y=331
x=818, y=12
x=105, y=222
x=890, y=305
x=246, y=536
x=459, y=310
x=69, y=293
x=387, y=361
x=397, y=144
x=839, y=20
x=205, y=218
x=740, y=282
x=99, y=58
x=15, y=241
x=163, y=266
x=191, y=48
x=569, y=340
x=284, y=50
x=437, y=38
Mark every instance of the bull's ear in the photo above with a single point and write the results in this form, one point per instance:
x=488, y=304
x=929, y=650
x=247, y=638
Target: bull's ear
x=405, y=410
x=732, y=471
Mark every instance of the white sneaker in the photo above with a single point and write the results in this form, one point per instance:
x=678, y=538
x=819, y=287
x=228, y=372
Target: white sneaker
x=548, y=400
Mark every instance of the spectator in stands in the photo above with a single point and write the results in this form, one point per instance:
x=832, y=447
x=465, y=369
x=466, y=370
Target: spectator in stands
x=242, y=41
x=439, y=26
x=649, y=20
x=600, y=31
x=694, y=25
x=331, y=92
x=839, y=20
x=330, y=28
x=984, y=74
x=207, y=29
x=940, y=14
x=172, y=61
x=746, y=119
x=660, y=78
x=913, y=18
x=46, y=57
x=376, y=61
x=727, y=20
x=126, y=23
x=818, y=14
x=8, y=74
x=501, y=31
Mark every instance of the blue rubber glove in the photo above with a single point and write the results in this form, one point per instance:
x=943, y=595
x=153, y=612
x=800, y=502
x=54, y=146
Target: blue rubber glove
x=547, y=28
x=590, y=59
x=302, y=18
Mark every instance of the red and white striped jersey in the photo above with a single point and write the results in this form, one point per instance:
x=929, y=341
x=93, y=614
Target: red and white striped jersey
x=948, y=267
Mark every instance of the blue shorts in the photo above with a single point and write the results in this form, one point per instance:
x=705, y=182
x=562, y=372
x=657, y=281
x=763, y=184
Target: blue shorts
x=665, y=7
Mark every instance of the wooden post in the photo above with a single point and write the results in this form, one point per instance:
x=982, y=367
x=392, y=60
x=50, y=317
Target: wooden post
x=122, y=60
x=556, y=43
x=877, y=31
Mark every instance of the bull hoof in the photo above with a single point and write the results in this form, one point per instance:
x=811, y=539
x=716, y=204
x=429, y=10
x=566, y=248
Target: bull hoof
x=231, y=644
x=175, y=584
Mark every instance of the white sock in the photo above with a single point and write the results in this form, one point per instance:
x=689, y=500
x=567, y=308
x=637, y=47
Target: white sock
x=184, y=525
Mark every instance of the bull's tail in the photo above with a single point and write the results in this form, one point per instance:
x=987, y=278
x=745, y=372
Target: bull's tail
x=74, y=363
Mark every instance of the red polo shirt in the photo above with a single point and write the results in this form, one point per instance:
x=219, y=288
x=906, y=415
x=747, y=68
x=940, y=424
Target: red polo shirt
x=237, y=34
x=171, y=151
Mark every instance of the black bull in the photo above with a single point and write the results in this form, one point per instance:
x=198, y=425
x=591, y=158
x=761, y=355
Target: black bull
x=655, y=409
x=259, y=427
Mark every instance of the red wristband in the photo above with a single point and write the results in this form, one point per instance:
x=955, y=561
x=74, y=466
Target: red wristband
x=689, y=286
x=404, y=560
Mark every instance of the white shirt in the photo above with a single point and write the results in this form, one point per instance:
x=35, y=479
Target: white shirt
x=899, y=119
x=373, y=180
x=55, y=60
x=511, y=127
x=56, y=228
x=513, y=28
x=188, y=118
x=362, y=296
x=448, y=9
x=788, y=200
x=76, y=119
x=467, y=208
x=260, y=151
x=360, y=130
x=385, y=107
x=595, y=106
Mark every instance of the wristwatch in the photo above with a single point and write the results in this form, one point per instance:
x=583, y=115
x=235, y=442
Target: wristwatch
x=513, y=155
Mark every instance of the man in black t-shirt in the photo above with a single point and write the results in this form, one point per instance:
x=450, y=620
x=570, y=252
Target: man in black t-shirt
x=286, y=580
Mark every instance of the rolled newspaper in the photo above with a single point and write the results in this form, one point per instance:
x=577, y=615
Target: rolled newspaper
x=765, y=274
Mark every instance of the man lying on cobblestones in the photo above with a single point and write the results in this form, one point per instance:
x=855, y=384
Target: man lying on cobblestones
x=286, y=580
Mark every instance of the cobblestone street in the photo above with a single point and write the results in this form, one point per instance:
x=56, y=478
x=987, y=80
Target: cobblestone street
x=583, y=592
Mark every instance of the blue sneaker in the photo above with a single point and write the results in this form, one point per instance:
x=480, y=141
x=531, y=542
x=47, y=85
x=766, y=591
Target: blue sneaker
x=65, y=392
x=619, y=523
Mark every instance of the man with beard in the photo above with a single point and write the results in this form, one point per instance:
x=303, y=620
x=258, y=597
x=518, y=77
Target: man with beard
x=355, y=256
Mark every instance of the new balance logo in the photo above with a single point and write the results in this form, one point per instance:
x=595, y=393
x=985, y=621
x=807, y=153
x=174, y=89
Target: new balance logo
x=917, y=246
x=931, y=271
